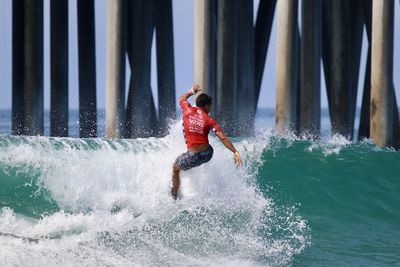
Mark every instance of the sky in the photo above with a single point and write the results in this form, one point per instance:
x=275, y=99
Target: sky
x=184, y=64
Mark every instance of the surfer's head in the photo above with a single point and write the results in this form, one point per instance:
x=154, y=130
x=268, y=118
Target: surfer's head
x=204, y=101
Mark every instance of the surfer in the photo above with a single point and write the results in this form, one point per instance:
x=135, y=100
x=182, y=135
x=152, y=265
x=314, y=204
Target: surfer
x=196, y=127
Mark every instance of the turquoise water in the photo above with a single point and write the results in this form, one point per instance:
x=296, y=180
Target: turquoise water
x=349, y=194
x=70, y=201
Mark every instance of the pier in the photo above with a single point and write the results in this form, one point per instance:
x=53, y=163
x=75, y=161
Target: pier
x=231, y=44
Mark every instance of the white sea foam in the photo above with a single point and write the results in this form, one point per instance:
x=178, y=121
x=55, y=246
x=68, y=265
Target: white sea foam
x=116, y=208
x=331, y=145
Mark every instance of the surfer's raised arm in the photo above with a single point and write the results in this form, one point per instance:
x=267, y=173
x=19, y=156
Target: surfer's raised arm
x=195, y=88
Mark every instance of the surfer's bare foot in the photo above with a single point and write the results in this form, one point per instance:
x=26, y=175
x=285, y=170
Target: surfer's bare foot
x=174, y=194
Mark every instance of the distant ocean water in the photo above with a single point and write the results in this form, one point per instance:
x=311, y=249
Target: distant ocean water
x=264, y=119
x=100, y=202
x=5, y=122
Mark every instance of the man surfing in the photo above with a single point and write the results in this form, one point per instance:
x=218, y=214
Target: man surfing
x=196, y=127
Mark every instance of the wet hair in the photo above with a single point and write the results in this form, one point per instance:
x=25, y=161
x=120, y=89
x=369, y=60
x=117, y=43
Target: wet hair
x=203, y=100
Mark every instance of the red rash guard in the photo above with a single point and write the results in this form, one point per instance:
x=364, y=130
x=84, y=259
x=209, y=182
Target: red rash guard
x=197, y=124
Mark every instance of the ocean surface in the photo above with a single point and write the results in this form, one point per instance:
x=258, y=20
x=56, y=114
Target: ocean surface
x=100, y=202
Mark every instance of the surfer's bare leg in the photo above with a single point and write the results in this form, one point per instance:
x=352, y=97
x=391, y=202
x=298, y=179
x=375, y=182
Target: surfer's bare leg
x=175, y=181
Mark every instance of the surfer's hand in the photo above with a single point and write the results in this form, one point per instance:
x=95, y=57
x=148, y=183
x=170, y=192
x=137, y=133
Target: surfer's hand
x=237, y=158
x=195, y=88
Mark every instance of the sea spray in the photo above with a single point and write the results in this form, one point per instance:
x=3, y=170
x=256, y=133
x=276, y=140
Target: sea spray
x=107, y=202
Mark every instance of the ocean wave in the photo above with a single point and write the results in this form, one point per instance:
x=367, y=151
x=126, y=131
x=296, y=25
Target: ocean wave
x=110, y=198
x=347, y=192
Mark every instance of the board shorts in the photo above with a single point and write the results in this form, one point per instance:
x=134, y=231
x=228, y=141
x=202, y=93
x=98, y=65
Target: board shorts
x=190, y=159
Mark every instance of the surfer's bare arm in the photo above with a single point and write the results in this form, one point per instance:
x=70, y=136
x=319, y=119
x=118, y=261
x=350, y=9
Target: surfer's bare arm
x=228, y=144
x=195, y=88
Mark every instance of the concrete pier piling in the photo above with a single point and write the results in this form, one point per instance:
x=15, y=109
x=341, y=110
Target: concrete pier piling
x=139, y=119
x=116, y=49
x=27, y=67
x=59, y=67
x=310, y=56
x=341, y=49
x=18, y=67
x=337, y=64
x=246, y=93
x=364, y=127
x=262, y=32
x=226, y=93
x=87, y=69
x=382, y=73
x=286, y=66
x=205, y=46
x=165, y=64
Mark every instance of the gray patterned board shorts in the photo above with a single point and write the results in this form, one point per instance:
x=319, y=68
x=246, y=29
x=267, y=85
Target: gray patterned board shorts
x=190, y=160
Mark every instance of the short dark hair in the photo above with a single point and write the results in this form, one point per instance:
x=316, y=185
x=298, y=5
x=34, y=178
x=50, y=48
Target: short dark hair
x=203, y=100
